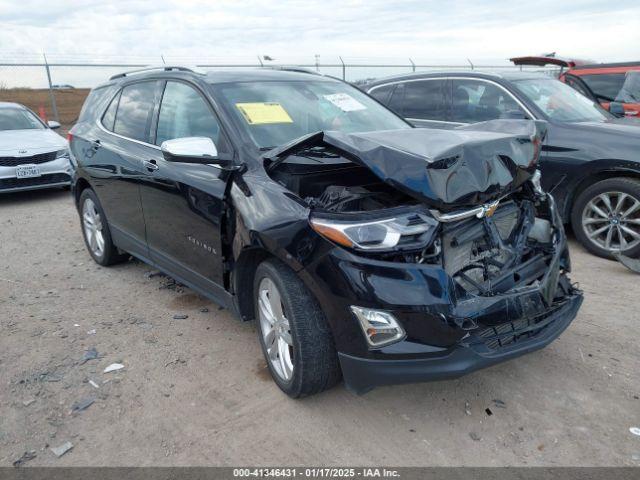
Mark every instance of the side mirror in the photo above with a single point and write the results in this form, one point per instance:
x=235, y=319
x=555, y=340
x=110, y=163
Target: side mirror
x=52, y=124
x=193, y=150
x=617, y=109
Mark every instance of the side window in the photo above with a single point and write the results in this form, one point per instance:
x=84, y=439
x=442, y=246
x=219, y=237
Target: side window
x=478, y=101
x=396, y=101
x=426, y=100
x=110, y=114
x=91, y=103
x=135, y=111
x=185, y=113
x=382, y=93
x=605, y=86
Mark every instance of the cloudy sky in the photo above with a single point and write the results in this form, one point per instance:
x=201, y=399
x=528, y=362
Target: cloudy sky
x=424, y=29
x=293, y=31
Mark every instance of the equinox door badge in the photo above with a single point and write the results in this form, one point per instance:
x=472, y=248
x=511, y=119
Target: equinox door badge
x=202, y=244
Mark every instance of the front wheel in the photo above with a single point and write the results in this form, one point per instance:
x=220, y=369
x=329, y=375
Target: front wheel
x=606, y=217
x=293, y=331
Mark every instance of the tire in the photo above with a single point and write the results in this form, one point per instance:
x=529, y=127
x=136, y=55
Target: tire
x=587, y=222
x=108, y=254
x=313, y=356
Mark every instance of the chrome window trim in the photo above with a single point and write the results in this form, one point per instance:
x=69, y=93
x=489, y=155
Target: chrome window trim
x=155, y=147
x=140, y=142
x=486, y=80
x=104, y=129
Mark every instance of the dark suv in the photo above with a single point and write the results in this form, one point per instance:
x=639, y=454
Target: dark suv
x=364, y=248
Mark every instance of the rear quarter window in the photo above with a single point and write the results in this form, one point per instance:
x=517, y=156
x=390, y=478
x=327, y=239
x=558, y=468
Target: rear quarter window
x=382, y=93
x=94, y=103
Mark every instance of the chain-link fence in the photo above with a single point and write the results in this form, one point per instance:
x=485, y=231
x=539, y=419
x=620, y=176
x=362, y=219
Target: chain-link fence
x=55, y=86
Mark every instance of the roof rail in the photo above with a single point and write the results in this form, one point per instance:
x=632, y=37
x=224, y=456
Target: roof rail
x=292, y=69
x=166, y=68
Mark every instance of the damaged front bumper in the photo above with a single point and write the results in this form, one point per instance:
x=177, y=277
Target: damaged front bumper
x=447, y=335
x=363, y=374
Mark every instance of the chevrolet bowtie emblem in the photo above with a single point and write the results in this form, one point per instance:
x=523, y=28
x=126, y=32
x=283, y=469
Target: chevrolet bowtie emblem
x=488, y=209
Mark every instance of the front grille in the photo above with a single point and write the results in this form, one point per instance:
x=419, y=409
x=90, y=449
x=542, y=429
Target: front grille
x=465, y=243
x=16, y=161
x=6, y=183
x=507, y=334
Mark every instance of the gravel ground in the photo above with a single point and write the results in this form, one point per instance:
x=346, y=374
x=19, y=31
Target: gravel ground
x=196, y=391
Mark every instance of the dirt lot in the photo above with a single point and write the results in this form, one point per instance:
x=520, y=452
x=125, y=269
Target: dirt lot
x=196, y=391
x=68, y=101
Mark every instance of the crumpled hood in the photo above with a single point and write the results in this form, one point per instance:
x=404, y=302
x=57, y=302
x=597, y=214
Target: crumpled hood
x=446, y=169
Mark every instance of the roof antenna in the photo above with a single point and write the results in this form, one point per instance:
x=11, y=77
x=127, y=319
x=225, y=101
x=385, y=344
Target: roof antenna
x=470, y=63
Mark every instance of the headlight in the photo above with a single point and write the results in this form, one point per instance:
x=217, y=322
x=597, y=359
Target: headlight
x=62, y=153
x=413, y=229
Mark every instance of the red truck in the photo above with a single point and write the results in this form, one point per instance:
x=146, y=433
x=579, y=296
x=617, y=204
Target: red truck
x=615, y=86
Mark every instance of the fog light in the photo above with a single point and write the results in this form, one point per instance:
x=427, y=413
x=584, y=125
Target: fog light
x=380, y=328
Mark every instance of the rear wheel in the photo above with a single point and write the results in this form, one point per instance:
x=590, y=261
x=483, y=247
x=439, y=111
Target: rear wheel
x=95, y=231
x=293, y=331
x=606, y=217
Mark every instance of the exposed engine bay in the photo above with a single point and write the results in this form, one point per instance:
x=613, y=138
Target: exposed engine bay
x=329, y=182
x=486, y=248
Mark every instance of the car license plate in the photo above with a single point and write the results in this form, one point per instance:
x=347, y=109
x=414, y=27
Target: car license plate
x=27, y=171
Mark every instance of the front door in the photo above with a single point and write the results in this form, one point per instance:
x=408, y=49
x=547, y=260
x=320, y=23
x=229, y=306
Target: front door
x=183, y=202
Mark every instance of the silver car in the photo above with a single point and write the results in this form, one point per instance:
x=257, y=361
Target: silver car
x=32, y=155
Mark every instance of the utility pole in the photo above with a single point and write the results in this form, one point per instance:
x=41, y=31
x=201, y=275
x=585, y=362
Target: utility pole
x=52, y=97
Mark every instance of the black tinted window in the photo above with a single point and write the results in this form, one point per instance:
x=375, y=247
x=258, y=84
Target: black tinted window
x=396, y=101
x=605, y=86
x=185, y=113
x=478, y=101
x=110, y=114
x=135, y=110
x=382, y=93
x=426, y=99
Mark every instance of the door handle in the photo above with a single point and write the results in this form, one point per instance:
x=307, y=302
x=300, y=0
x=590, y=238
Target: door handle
x=95, y=145
x=150, y=165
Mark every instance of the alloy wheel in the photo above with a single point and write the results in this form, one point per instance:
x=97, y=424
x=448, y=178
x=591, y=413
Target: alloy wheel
x=92, y=225
x=275, y=329
x=611, y=221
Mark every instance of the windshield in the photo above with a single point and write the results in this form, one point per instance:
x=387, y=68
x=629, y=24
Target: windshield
x=561, y=102
x=18, y=119
x=274, y=113
x=630, y=91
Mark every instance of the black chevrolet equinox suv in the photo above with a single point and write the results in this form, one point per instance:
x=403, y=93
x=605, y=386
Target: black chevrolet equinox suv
x=365, y=249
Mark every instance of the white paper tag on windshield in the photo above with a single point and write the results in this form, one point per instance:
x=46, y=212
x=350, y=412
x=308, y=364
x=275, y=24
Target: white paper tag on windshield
x=345, y=102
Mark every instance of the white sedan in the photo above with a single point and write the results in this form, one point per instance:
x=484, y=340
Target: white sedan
x=32, y=155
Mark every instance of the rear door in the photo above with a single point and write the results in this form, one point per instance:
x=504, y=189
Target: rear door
x=183, y=202
x=115, y=161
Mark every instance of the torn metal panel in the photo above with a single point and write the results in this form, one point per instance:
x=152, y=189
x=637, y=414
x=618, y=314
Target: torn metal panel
x=446, y=169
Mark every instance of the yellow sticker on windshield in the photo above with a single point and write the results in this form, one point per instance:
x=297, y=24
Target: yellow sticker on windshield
x=261, y=113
